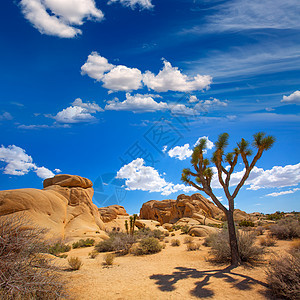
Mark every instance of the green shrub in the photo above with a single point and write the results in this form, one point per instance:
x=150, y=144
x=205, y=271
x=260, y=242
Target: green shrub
x=246, y=223
x=283, y=276
x=276, y=216
x=58, y=248
x=83, y=243
x=175, y=242
x=192, y=246
x=158, y=234
x=105, y=246
x=176, y=227
x=286, y=229
x=109, y=259
x=185, y=229
x=148, y=245
x=75, y=263
x=249, y=252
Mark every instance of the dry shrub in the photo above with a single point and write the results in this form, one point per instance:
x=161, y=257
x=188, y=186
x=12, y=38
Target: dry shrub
x=188, y=239
x=148, y=245
x=166, y=233
x=192, y=246
x=58, y=248
x=75, y=263
x=172, y=234
x=93, y=254
x=283, y=276
x=260, y=230
x=25, y=271
x=108, y=259
x=120, y=242
x=209, y=239
x=295, y=246
x=175, y=242
x=267, y=241
x=249, y=252
x=286, y=229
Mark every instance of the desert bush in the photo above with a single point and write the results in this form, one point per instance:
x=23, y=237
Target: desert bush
x=295, y=247
x=166, y=241
x=158, y=234
x=246, y=223
x=75, y=263
x=267, y=241
x=166, y=233
x=119, y=241
x=172, y=234
x=192, y=246
x=147, y=245
x=58, y=248
x=185, y=229
x=175, y=242
x=209, y=239
x=249, y=252
x=93, y=254
x=276, y=216
x=188, y=239
x=25, y=271
x=260, y=230
x=83, y=243
x=283, y=276
x=286, y=229
x=176, y=227
x=109, y=259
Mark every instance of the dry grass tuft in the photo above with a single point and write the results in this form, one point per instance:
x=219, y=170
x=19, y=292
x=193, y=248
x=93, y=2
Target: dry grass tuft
x=75, y=263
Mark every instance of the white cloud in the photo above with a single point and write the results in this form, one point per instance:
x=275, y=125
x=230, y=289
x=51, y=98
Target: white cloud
x=122, y=78
x=283, y=193
x=141, y=177
x=145, y=4
x=181, y=152
x=255, y=14
x=77, y=113
x=6, y=116
x=182, y=110
x=171, y=79
x=292, y=98
x=137, y=103
x=19, y=163
x=95, y=66
x=57, y=170
x=164, y=149
x=58, y=18
x=277, y=177
x=210, y=104
x=193, y=99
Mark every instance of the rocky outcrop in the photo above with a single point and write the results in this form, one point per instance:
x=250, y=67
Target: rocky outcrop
x=170, y=211
x=111, y=212
x=194, y=209
x=64, y=207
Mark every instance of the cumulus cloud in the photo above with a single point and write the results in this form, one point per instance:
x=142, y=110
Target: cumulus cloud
x=95, y=66
x=137, y=103
x=210, y=104
x=193, y=99
x=144, y=178
x=59, y=18
x=181, y=152
x=277, y=177
x=283, y=193
x=292, y=98
x=144, y=4
x=19, y=163
x=171, y=79
x=78, y=112
x=123, y=78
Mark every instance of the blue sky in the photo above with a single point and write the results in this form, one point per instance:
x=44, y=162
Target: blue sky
x=120, y=91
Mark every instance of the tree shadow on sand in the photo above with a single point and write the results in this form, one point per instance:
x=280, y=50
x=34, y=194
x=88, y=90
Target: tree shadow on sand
x=166, y=283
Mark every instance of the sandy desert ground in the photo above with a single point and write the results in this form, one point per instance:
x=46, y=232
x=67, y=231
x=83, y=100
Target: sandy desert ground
x=174, y=273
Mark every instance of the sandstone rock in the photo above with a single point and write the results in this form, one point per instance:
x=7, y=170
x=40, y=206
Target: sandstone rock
x=64, y=207
x=111, y=212
x=202, y=230
x=170, y=211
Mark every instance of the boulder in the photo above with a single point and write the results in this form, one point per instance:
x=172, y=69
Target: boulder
x=111, y=212
x=202, y=230
x=64, y=207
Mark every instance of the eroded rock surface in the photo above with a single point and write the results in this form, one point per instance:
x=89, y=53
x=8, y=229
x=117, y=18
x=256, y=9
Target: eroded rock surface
x=64, y=207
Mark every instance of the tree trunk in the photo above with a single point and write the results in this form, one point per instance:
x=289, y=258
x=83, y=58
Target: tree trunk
x=235, y=255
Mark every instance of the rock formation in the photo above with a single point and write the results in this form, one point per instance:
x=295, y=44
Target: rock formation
x=111, y=212
x=170, y=211
x=64, y=207
x=186, y=210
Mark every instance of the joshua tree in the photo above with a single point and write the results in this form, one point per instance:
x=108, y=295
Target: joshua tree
x=203, y=175
x=126, y=226
x=132, y=223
